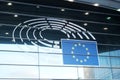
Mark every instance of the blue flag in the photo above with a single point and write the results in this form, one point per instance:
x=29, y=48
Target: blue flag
x=79, y=52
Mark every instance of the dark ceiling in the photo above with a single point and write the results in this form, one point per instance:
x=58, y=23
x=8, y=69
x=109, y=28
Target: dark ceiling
x=98, y=18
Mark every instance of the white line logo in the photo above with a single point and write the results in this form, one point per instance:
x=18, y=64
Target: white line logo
x=29, y=31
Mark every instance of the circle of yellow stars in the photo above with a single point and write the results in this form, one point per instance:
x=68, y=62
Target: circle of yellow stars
x=77, y=59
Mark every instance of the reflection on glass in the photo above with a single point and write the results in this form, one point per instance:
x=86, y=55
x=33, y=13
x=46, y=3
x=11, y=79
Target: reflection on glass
x=115, y=53
x=89, y=73
x=94, y=73
x=103, y=73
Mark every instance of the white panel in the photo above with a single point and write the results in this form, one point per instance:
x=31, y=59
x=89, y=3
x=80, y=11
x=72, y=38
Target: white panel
x=18, y=72
x=49, y=50
x=18, y=47
x=58, y=72
x=18, y=58
x=81, y=73
x=50, y=59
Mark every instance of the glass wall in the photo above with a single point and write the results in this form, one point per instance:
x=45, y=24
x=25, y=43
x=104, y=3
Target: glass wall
x=27, y=59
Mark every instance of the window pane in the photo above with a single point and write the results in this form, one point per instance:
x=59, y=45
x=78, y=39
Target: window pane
x=103, y=73
x=58, y=72
x=95, y=73
x=115, y=61
x=49, y=50
x=103, y=50
x=18, y=58
x=107, y=39
x=104, y=61
x=18, y=71
x=18, y=47
x=115, y=53
x=50, y=59
x=116, y=74
x=19, y=79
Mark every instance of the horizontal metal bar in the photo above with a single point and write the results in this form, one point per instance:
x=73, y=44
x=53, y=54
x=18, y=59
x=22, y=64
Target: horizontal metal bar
x=79, y=66
x=40, y=53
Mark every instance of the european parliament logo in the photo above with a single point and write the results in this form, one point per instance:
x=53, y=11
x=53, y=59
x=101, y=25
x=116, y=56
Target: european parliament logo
x=79, y=52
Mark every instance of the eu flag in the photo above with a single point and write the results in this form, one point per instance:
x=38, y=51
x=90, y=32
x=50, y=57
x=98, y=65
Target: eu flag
x=79, y=52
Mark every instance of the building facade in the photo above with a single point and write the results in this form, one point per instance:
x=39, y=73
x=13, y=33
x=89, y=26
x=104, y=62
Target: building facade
x=30, y=40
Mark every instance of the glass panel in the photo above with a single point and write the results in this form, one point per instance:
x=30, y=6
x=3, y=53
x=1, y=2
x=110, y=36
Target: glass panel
x=116, y=74
x=115, y=61
x=57, y=59
x=104, y=61
x=103, y=50
x=50, y=59
x=58, y=72
x=18, y=47
x=49, y=50
x=18, y=71
x=102, y=73
x=114, y=50
x=19, y=79
x=107, y=39
x=18, y=58
x=95, y=73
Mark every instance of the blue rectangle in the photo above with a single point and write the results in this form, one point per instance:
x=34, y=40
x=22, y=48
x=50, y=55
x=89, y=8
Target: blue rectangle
x=79, y=52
